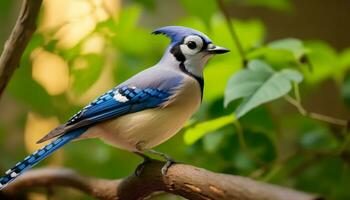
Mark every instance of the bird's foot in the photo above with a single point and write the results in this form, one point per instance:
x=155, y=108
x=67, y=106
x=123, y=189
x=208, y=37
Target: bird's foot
x=167, y=158
x=167, y=166
x=141, y=166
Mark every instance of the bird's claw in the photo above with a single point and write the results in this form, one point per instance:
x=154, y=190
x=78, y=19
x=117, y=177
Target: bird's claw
x=141, y=166
x=167, y=165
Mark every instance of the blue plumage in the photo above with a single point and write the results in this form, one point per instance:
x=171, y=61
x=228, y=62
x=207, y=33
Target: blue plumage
x=38, y=156
x=108, y=106
x=178, y=33
x=103, y=108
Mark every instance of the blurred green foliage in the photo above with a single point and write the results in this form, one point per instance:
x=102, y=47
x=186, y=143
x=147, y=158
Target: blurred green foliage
x=261, y=136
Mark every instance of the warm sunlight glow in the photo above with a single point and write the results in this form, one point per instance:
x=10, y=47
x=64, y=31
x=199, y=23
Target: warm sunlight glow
x=94, y=44
x=36, y=127
x=103, y=84
x=71, y=25
x=51, y=71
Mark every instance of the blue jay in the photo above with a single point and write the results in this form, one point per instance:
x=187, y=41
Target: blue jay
x=143, y=111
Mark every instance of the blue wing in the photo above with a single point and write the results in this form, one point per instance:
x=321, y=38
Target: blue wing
x=114, y=103
x=130, y=100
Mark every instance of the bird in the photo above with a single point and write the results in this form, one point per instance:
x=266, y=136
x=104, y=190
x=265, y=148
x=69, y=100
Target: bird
x=143, y=111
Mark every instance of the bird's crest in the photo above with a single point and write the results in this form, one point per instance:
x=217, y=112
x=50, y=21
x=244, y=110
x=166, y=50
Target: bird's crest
x=177, y=33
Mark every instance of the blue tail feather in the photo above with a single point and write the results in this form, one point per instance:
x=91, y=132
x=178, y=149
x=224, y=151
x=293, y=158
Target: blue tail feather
x=38, y=156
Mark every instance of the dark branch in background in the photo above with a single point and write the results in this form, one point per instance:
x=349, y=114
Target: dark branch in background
x=18, y=40
x=232, y=30
x=184, y=180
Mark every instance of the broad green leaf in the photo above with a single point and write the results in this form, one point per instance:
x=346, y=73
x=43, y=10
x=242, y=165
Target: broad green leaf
x=280, y=53
x=276, y=57
x=259, y=84
x=292, y=75
x=199, y=130
x=325, y=62
x=244, y=83
x=295, y=46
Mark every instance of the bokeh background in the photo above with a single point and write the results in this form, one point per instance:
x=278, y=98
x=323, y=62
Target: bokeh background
x=83, y=48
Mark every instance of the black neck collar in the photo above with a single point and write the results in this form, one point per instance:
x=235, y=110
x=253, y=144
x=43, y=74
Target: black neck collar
x=176, y=51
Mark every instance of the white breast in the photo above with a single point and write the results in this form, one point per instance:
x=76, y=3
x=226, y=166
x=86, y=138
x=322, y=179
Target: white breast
x=149, y=128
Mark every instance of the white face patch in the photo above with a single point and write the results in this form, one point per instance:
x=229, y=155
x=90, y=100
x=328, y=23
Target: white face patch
x=191, y=45
x=120, y=98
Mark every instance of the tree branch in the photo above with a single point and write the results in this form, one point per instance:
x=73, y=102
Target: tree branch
x=18, y=40
x=184, y=180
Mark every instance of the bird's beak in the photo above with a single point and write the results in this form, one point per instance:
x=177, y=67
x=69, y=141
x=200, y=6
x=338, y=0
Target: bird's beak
x=213, y=49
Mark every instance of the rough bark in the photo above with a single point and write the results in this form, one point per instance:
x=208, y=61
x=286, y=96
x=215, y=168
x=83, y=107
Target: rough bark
x=184, y=180
x=15, y=45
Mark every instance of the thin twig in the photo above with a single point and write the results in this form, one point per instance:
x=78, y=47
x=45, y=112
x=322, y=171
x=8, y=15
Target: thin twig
x=232, y=30
x=296, y=104
x=316, y=116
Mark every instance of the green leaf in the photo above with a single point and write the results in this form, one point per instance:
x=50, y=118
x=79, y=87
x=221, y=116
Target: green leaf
x=199, y=130
x=204, y=12
x=294, y=46
x=259, y=84
x=88, y=73
x=292, y=75
x=324, y=60
x=280, y=52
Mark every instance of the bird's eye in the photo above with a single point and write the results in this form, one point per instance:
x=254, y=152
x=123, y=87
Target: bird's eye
x=191, y=45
